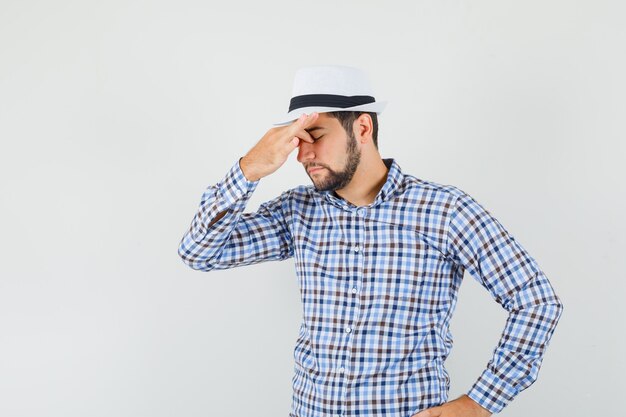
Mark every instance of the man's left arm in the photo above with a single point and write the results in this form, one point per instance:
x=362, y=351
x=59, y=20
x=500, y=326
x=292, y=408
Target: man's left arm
x=482, y=246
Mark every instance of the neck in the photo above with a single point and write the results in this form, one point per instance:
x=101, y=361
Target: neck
x=367, y=181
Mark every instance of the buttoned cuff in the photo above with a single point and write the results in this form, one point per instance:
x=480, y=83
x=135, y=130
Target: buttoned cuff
x=235, y=188
x=492, y=392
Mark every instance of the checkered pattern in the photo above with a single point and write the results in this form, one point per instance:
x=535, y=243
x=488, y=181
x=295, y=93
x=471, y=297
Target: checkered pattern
x=379, y=284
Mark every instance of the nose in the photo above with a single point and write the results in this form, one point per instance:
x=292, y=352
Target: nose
x=305, y=152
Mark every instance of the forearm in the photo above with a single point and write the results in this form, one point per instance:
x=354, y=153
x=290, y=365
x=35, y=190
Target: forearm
x=534, y=312
x=479, y=242
x=206, y=238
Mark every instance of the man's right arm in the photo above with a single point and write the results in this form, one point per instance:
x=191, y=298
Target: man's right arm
x=222, y=236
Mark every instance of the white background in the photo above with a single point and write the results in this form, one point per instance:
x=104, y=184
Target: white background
x=115, y=116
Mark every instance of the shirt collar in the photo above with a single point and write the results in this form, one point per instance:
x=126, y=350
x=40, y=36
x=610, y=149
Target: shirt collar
x=391, y=185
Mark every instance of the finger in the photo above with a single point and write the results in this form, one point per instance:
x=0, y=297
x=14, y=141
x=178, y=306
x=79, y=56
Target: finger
x=292, y=128
x=304, y=135
x=302, y=122
x=310, y=119
x=296, y=130
x=298, y=123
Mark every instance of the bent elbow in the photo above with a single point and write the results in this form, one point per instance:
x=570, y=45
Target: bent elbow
x=192, y=261
x=559, y=307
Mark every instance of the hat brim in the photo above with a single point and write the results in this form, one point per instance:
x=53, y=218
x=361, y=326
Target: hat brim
x=376, y=107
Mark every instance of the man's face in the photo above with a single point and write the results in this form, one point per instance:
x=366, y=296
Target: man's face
x=334, y=152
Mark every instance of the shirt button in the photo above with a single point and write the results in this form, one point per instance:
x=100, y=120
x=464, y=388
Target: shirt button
x=356, y=248
x=341, y=370
x=354, y=290
x=348, y=330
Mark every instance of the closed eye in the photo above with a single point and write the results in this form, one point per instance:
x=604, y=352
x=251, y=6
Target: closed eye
x=317, y=138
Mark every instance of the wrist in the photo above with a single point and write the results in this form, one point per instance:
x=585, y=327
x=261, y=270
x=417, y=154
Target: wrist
x=247, y=172
x=482, y=410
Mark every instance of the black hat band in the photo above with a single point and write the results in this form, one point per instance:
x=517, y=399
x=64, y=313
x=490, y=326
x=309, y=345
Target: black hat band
x=328, y=100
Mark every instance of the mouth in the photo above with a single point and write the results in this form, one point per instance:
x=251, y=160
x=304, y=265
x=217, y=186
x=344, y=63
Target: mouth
x=315, y=169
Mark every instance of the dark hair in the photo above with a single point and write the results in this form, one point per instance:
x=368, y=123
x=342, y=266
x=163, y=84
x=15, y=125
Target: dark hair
x=347, y=118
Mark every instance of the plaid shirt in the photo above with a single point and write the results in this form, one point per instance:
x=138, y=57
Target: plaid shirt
x=379, y=284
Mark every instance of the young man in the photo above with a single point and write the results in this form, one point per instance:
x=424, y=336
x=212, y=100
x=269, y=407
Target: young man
x=380, y=256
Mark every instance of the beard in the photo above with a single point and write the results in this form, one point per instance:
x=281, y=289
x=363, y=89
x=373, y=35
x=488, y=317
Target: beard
x=336, y=180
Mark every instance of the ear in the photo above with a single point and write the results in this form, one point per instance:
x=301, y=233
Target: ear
x=363, y=127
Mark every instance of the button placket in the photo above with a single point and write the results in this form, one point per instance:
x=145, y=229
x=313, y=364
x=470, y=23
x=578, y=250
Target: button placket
x=357, y=233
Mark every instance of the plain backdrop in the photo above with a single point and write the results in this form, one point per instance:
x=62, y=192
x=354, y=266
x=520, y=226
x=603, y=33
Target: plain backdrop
x=115, y=116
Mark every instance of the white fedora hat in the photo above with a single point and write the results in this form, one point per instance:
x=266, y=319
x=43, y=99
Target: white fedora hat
x=327, y=88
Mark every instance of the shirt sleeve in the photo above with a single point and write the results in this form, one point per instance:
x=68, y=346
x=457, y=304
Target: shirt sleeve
x=238, y=238
x=482, y=246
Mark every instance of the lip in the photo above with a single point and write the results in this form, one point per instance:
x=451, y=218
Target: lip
x=315, y=169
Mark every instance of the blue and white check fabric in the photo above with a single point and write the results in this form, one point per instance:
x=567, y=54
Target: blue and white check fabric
x=379, y=284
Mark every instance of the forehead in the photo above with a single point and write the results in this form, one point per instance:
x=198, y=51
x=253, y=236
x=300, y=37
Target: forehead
x=323, y=122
